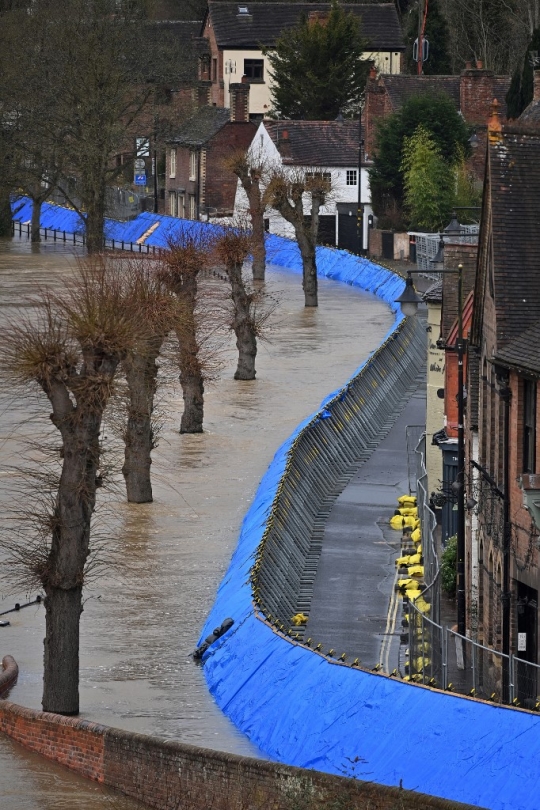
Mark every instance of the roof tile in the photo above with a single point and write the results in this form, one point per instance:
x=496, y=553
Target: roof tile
x=264, y=23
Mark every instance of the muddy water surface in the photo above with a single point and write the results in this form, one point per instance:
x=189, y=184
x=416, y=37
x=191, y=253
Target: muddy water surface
x=143, y=615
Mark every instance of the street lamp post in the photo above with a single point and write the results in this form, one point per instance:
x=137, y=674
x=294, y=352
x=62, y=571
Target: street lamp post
x=409, y=301
x=360, y=210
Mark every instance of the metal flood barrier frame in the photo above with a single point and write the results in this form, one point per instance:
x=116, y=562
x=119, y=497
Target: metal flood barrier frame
x=326, y=449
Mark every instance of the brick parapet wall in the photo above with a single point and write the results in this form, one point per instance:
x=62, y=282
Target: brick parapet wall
x=167, y=775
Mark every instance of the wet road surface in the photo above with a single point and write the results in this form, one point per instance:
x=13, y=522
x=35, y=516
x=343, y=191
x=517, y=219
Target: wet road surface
x=142, y=617
x=354, y=607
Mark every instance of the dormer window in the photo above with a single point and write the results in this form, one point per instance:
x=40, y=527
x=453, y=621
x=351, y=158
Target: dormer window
x=243, y=10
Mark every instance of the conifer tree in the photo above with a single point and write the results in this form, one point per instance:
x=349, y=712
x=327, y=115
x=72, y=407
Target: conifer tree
x=520, y=92
x=317, y=68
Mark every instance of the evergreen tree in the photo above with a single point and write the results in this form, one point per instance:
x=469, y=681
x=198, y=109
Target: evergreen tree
x=316, y=67
x=437, y=113
x=520, y=92
x=438, y=36
x=428, y=182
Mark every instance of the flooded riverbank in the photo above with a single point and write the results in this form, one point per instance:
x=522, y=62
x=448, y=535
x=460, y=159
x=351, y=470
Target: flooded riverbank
x=142, y=618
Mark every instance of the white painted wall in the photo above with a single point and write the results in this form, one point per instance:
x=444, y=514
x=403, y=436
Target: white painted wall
x=263, y=146
x=260, y=102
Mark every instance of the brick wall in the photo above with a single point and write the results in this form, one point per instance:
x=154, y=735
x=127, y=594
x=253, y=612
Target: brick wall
x=221, y=182
x=169, y=775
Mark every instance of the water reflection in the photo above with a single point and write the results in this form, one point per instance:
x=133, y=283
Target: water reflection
x=142, y=618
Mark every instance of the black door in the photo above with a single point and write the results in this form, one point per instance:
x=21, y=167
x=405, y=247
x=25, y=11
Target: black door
x=388, y=245
x=347, y=228
x=526, y=646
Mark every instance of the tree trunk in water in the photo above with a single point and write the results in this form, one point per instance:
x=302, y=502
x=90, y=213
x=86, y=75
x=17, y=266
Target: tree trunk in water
x=63, y=610
x=191, y=376
x=5, y=213
x=36, y=220
x=63, y=573
x=193, y=395
x=309, y=270
x=141, y=373
x=246, y=342
x=95, y=220
x=257, y=224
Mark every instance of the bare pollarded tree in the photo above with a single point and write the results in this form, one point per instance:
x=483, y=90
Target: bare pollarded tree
x=188, y=255
x=251, y=307
x=253, y=171
x=159, y=312
x=70, y=351
x=292, y=191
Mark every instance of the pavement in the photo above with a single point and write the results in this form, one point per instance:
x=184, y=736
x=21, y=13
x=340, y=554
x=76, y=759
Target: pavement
x=354, y=607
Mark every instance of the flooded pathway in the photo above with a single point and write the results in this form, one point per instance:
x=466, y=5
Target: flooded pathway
x=142, y=617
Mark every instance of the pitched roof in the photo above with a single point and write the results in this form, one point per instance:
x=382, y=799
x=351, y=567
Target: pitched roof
x=177, y=43
x=264, y=22
x=202, y=126
x=434, y=293
x=316, y=143
x=401, y=88
x=514, y=182
x=531, y=113
x=523, y=353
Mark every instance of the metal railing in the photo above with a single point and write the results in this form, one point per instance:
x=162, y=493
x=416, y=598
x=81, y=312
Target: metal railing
x=79, y=238
x=442, y=658
x=427, y=245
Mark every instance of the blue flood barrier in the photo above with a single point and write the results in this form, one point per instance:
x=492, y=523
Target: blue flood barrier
x=298, y=707
x=303, y=710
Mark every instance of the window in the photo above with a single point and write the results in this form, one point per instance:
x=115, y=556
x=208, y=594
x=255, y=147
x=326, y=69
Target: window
x=352, y=177
x=193, y=165
x=254, y=69
x=214, y=70
x=181, y=206
x=529, y=426
x=172, y=163
x=191, y=206
x=172, y=204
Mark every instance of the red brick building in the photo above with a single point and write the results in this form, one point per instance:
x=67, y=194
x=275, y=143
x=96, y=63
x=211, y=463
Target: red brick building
x=502, y=415
x=472, y=93
x=197, y=183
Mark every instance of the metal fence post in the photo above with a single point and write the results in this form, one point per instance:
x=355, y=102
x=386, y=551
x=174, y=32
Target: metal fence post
x=444, y=658
x=512, y=676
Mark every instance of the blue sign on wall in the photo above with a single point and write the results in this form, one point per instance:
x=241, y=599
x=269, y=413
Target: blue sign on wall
x=140, y=180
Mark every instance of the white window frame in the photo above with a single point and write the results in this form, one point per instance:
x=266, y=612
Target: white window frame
x=193, y=165
x=350, y=174
x=172, y=163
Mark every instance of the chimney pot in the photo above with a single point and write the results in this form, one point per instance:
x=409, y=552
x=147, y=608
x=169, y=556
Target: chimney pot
x=373, y=72
x=468, y=65
x=479, y=64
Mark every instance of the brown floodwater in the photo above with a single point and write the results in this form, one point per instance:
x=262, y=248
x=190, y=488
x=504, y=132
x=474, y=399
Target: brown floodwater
x=143, y=615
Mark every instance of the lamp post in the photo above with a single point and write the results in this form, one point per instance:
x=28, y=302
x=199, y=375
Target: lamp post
x=409, y=301
x=360, y=210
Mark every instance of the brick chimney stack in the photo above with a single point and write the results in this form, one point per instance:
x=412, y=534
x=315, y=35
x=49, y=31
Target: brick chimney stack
x=203, y=93
x=536, y=93
x=239, y=101
x=284, y=144
x=476, y=91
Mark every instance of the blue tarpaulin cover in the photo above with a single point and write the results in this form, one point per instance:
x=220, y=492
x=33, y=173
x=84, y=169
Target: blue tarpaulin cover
x=301, y=709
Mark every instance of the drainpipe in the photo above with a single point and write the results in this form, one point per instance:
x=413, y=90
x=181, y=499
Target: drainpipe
x=505, y=394
x=198, y=197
